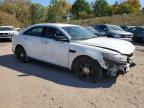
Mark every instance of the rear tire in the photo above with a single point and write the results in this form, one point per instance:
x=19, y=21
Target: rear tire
x=21, y=54
x=87, y=69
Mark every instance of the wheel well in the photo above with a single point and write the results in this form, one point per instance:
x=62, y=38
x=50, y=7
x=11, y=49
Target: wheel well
x=18, y=46
x=81, y=57
x=78, y=58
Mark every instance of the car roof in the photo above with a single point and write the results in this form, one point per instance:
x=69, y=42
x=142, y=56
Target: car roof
x=55, y=24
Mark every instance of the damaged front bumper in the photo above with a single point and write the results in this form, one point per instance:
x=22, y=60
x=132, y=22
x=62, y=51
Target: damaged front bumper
x=114, y=70
x=115, y=67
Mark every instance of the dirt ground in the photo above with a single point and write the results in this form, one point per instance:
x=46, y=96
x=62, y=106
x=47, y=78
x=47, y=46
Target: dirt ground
x=40, y=85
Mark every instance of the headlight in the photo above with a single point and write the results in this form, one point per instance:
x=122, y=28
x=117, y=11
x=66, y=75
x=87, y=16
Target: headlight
x=117, y=58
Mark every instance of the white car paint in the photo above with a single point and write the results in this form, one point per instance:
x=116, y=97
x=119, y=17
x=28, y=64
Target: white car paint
x=124, y=47
x=57, y=52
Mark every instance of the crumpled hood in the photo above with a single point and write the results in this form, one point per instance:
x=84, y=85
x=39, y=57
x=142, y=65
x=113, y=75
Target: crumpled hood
x=121, y=46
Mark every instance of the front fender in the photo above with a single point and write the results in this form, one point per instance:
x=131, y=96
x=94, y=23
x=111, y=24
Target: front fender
x=82, y=50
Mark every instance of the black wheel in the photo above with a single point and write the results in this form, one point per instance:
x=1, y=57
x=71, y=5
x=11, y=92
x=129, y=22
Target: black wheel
x=21, y=54
x=87, y=69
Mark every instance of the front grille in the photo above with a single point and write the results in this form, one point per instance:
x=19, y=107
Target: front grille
x=129, y=36
x=3, y=34
x=126, y=36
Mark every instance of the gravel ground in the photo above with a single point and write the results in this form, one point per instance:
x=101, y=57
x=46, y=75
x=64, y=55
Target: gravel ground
x=40, y=85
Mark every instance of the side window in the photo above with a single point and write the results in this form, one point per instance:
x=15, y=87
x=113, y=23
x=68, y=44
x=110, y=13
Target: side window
x=141, y=30
x=35, y=31
x=138, y=30
x=97, y=27
x=54, y=33
x=102, y=28
x=132, y=29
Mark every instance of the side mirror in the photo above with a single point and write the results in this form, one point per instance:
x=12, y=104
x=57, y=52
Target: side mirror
x=61, y=38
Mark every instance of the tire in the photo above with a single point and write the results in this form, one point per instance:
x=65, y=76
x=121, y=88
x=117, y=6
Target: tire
x=87, y=69
x=21, y=54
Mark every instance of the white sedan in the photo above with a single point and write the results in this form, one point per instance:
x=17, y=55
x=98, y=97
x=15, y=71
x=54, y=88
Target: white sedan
x=75, y=48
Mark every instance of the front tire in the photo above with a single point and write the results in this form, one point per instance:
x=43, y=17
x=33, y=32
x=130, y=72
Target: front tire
x=21, y=54
x=87, y=69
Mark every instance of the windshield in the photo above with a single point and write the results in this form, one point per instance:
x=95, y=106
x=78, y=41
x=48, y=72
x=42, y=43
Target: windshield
x=6, y=28
x=113, y=27
x=78, y=33
x=91, y=29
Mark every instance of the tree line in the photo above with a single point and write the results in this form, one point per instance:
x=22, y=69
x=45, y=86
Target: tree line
x=61, y=11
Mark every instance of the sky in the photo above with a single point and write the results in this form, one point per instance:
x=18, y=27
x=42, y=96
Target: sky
x=46, y=2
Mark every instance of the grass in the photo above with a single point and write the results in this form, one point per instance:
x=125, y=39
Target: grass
x=137, y=20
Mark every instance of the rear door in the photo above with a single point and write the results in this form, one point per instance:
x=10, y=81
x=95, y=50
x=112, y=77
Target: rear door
x=32, y=40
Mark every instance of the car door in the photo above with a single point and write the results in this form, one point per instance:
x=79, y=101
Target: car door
x=32, y=41
x=56, y=47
